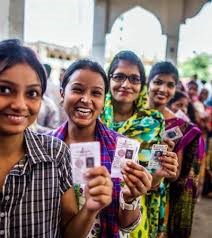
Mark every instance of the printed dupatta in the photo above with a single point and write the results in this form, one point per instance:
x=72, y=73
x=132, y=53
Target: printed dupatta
x=145, y=125
x=107, y=138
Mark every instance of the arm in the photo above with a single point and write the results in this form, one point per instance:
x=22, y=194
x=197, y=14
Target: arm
x=138, y=182
x=75, y=224
x=98, y=194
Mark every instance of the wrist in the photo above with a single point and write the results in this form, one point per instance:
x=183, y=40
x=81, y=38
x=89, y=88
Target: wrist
x=129, y=205
x=92, y=213
x=156, y=180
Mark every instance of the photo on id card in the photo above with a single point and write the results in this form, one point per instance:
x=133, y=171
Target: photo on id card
x=172, y=133
x=156, y=152
x=126, y=149
x=84, y=156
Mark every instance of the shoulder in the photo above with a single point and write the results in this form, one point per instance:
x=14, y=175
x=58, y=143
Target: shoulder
x=104, y=131
x=152, y=113
x=46, y=145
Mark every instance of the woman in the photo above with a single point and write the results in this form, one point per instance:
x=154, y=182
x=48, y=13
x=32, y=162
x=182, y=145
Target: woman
x=124, y=112
x=83, y=91
x=162, y=82
x=37, y=198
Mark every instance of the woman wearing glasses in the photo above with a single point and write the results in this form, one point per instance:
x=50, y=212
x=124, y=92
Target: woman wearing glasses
x=125, y=113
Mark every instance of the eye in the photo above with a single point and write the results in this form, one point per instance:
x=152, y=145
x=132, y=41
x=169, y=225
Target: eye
x=76, y=89
x=5, y=90
x=171, y=84
x=33, y=94
x=157, y=82
x=119, y=77
x=97, y=93
x=135, y=79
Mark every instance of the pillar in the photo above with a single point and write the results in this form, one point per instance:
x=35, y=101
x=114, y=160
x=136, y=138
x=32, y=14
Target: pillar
x=12, y=19
x=99, y=30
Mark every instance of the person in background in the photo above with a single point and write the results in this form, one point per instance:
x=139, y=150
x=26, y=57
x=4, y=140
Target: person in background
x=125, y=112
x=182, y=194
x=48, y=117
x=83, y=91
x=203, y=95
x=36, y=194
x=207, y=191
x=62, y=113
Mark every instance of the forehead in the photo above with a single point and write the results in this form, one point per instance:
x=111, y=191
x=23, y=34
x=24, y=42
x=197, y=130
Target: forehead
x=192, y=86
x=183, y=100
x=87, y=77
x=165, y=77
x=126, y=66
x=20, y=74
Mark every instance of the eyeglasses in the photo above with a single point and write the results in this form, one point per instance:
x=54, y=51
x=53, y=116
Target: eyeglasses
x=120, y=78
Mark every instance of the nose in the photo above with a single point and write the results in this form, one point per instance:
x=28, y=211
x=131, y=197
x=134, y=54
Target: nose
x=184, y=109
x=163, y=87
x=126, y=83
x=86, y=98
x=19, y=103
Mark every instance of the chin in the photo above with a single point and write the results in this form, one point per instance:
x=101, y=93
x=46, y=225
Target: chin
x=160, y=103
x=83, y=123
x=5, y=132
x=124, y=100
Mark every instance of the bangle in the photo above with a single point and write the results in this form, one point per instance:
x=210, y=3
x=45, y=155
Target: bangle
x=129, y=206
x=132, y=226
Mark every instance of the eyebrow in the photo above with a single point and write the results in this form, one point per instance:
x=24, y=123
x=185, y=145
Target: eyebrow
x=14, y=84
x=79, y=84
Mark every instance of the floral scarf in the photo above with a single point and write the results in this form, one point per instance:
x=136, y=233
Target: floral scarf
x=145, y=125
x=107, y=138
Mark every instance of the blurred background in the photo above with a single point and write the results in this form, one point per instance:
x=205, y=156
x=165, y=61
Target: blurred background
x=64, y=30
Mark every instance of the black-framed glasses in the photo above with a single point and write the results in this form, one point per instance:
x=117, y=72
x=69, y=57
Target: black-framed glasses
x=120, y=78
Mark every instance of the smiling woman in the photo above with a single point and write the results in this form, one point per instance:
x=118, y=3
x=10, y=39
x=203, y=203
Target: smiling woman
x=20, y=98
x=180, y=195
x=83, y=91
x=35, y=181
x=125, y=111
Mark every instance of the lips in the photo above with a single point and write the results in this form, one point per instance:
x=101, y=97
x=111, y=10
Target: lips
x=161, y=96
x=124, y=93
x=15, y=119
x=83, y=112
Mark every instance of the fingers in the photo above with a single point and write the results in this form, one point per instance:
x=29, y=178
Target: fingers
x=134, y=168
x=137, y=179
x=99, y=181
x=169, y=163
x=97, y=171
x=170, y=143
x=96, y=187
x=99, y=188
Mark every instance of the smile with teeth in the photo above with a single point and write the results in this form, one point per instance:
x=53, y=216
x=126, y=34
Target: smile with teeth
x=16, y=118
x=83, y=111
x=161, y=95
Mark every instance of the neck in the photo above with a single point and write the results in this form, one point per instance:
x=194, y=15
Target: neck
x=152, y=105
x=11, y=146
x=122, y=111
x=167, y=113
x=80, y=134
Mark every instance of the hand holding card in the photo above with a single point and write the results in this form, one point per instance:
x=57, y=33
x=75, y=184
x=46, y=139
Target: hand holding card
x=156, y=152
